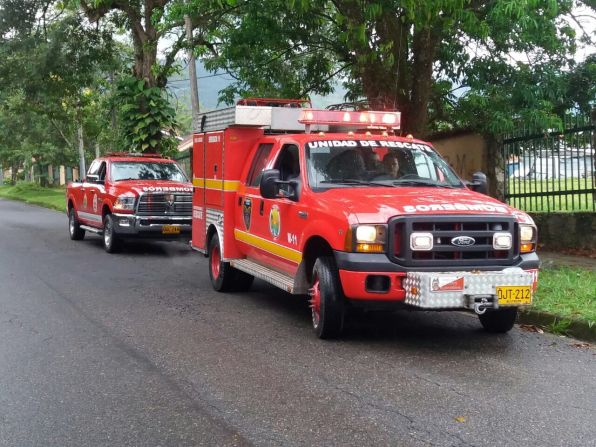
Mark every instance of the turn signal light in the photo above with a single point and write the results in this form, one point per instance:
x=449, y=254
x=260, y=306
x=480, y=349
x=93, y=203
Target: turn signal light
x=526, y=248
x=370, y=248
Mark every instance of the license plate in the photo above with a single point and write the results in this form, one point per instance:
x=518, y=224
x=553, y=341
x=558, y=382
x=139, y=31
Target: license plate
x=170, y=229
x=514, y=295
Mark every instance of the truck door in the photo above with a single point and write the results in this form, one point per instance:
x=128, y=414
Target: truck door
x=85, y=206
x=277, y=223
x=96, y=192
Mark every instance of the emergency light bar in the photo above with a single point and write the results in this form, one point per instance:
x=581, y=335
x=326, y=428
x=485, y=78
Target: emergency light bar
x=366, y=118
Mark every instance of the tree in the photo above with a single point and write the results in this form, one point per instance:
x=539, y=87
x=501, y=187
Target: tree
x=419, y=57
x=146, y=111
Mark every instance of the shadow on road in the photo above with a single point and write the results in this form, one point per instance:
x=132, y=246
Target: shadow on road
x=415, y=330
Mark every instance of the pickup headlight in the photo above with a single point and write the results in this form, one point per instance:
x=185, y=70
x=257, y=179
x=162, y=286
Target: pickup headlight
x=367, y=239
x=527, y=238
x=125, y=202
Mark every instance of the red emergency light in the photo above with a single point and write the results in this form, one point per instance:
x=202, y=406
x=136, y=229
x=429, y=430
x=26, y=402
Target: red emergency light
x=351, y=118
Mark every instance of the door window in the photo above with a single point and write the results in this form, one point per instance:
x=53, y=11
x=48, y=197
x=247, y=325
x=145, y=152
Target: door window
x=258, y=164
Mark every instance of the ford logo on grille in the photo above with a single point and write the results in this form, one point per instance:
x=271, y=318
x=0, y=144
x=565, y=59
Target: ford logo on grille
x=463, y=241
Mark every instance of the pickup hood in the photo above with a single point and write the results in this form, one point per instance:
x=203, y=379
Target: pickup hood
x=377, y=205
x=144, y=186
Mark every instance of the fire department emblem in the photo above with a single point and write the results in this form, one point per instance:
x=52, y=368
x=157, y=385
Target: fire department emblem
x=95, y=203
x=246, y=212
x=85, y=201
x=274, y=221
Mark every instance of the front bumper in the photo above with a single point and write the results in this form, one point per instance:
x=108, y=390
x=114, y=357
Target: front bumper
x=155, y=227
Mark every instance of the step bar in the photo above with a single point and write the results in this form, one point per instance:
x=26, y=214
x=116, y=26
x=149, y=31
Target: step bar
x=281, y=280
x=91, y=229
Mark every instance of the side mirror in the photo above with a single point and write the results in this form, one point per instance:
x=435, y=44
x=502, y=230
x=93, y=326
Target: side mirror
x=479, y=183
x=269, y=186
x=92, y=178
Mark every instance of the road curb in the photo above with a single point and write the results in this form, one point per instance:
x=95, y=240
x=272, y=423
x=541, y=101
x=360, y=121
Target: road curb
x=577, y=328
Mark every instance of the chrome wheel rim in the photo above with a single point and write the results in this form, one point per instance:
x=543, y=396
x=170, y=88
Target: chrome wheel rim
x=107, y=233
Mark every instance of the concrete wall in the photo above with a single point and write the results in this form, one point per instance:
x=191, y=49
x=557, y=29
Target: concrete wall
x=566, y=230
x=466, y=153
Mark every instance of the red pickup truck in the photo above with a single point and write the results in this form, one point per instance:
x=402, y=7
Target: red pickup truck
x=130, y=196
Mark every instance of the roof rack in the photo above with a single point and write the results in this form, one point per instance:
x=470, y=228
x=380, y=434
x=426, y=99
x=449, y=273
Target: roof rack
x=273, y=115
x=275, y=102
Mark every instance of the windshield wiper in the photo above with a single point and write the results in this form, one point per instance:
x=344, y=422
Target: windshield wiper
x=421, y=182
x=351, y=181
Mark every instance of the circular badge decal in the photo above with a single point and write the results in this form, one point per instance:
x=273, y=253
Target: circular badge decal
x=274, y=221
x=95, y=203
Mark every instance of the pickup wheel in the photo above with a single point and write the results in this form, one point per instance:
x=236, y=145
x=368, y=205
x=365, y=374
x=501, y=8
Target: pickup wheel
x=326, y=299
x=74, y=228
x=498, y=321
x=111, y=242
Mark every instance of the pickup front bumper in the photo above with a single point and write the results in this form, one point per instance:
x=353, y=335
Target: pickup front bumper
x=155, y=227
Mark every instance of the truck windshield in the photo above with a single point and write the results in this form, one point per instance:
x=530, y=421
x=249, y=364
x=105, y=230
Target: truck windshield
x=133, y=170
x=349, y=163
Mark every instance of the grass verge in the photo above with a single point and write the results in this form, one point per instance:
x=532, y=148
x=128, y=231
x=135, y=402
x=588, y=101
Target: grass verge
x=568, y=293
x=53, y=198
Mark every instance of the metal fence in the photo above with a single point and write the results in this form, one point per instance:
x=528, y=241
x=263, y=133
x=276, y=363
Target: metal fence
x=553, y=171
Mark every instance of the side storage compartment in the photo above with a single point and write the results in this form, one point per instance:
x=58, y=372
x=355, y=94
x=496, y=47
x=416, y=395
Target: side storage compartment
x=199, y=241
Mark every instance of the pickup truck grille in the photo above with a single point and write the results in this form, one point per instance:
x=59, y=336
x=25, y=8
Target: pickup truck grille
x=155, y=204
x=443, y=230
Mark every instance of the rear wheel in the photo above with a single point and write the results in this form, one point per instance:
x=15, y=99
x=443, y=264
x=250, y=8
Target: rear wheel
x=224, y=277
x=326, y=299
x=74, y=229
x=111, y=242
x=498, y=321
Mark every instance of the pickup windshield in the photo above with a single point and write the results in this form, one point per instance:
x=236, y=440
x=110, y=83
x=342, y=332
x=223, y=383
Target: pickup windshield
x=133, y=170
x=374, y=163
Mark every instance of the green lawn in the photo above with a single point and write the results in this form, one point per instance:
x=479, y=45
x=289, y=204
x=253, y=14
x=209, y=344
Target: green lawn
x=545, y=203
x=34, y=194
x=567, y=292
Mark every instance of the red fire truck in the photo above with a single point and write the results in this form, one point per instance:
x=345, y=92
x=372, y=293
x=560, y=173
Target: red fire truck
x=334, y=205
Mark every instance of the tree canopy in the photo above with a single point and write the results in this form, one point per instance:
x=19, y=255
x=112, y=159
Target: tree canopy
x=441, y=62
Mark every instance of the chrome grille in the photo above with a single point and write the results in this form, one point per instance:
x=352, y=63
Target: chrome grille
x=168, y=204
x=443, y=230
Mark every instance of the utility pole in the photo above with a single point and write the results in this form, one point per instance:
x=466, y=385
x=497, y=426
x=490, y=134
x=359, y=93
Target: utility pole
x=192, y=75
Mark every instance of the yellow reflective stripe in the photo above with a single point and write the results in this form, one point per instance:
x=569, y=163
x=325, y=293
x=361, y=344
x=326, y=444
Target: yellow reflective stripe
x=226, y=185
x=271, y=247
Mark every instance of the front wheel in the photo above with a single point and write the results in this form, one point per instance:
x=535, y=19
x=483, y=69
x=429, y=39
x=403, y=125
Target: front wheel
x=111, y=242
x=74, y=228
x=326, y=299
x=498, y=321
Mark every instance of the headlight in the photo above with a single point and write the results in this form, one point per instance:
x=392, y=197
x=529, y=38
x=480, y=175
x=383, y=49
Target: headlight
x=421, y=241
x=502, y=241
x=367, y=239
x=527, y=238
x=125, y=202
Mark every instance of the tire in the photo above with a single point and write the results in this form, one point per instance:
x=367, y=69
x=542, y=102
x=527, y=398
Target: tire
x=74, y=228
x=326, y=299
x=220, y=272
x=498, y=321
x=111, y=242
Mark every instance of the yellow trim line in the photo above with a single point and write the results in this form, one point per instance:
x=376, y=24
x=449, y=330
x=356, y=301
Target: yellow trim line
x=226, y=185
x=268, y=246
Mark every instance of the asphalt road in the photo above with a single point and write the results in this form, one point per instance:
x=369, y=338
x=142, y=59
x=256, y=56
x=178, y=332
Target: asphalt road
x=136, y=349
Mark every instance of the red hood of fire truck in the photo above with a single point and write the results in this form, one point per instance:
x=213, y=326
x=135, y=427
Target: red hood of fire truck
x=379, y=204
